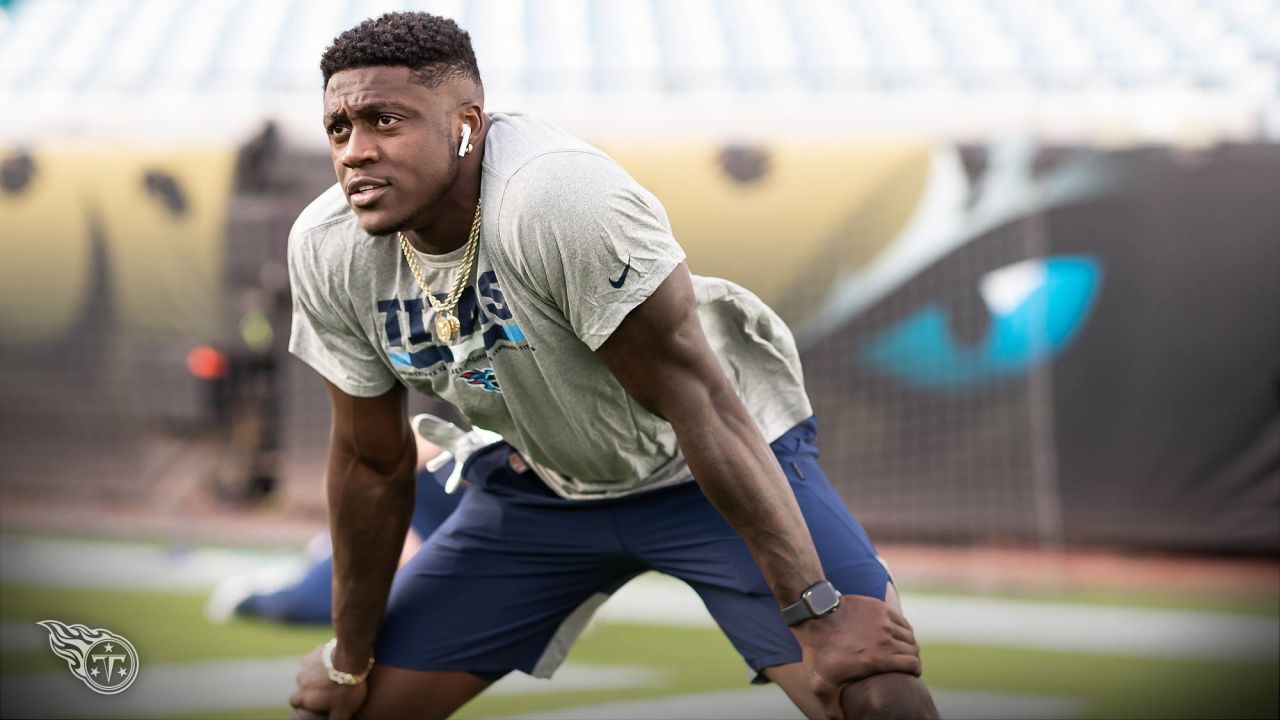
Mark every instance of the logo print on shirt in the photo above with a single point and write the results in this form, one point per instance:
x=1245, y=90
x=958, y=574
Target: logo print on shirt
x=482, y=312
x=482, y=379
x=622, y=279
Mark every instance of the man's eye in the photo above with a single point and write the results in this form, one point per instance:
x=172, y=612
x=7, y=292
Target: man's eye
x=385, y=120
x=337, y=129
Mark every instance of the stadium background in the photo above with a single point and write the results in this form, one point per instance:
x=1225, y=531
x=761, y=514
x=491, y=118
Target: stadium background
x=1029, y=249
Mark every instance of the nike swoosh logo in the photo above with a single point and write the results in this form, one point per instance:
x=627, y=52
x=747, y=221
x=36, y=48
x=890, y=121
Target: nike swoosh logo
x=622, y=279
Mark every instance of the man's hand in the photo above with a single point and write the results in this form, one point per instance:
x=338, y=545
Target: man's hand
x=317, y=695
x=863, y=637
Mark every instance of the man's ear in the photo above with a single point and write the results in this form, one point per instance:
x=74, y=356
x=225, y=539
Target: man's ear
x=473, y=115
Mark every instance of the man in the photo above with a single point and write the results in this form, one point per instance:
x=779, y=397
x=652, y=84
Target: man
x=499, y=264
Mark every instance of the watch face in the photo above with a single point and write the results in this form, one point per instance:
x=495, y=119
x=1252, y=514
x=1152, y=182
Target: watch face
x=822, y=598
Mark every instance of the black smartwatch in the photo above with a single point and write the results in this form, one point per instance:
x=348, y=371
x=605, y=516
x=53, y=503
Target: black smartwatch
x=819, y=599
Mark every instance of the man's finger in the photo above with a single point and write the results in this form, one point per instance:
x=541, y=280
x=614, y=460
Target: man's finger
x=897, y=618
x=907, y=664
x=895, y=648
x=904, y=647
x=901, y=633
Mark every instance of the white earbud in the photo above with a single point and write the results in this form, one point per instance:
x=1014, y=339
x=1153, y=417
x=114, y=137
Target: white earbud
x=465, y=145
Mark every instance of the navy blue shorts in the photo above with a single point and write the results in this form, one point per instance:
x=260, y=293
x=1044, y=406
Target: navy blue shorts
x=512, y=577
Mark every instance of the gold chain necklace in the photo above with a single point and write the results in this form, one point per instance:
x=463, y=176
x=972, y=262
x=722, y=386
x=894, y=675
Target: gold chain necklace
x=447, y=324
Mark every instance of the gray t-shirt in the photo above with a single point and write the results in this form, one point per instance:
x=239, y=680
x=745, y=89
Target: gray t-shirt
x=569, y=244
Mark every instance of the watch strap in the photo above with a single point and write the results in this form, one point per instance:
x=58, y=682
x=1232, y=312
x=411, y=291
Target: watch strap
x=796, y=613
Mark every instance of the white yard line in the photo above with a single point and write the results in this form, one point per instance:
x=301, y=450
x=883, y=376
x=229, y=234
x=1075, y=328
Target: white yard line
x=997, y=622
x=1095, y=629
x=769, y=703
x=62, y=562
x=262, y=683
x=994, y=622
x=243, y=684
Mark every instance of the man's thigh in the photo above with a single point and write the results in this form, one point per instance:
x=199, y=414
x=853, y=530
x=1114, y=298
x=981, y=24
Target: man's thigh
x=500, y=586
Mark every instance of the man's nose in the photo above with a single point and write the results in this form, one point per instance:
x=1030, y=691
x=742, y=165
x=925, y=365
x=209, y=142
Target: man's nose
x=361, y=148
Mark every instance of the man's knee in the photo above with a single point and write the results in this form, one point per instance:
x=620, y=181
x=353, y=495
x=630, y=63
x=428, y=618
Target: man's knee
x=891, y=696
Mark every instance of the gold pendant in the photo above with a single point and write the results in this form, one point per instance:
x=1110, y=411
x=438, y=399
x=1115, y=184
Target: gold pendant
x=446, y=326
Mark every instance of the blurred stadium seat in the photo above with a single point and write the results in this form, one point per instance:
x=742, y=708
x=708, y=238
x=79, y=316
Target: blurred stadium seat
x=264, y=53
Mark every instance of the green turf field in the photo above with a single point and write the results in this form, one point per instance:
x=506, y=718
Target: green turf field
x=169, y=628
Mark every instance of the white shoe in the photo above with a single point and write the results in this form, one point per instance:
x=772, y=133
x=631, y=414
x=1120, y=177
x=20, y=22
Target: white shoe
x=226, y=597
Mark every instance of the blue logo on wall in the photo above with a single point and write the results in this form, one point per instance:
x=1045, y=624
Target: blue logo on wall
x=1037, y=307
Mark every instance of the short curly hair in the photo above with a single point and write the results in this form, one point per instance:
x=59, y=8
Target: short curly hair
x=434, y=47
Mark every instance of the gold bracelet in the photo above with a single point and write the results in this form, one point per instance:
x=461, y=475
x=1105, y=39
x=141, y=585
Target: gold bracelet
x=338, y=676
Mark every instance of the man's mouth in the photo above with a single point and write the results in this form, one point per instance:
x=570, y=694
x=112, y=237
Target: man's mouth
x=364, y=194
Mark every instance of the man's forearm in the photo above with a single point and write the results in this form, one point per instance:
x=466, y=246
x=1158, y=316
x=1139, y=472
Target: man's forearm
x=740, y=476
x=369, y=514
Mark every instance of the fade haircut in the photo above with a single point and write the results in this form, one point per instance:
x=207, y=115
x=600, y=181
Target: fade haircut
x=435, y=48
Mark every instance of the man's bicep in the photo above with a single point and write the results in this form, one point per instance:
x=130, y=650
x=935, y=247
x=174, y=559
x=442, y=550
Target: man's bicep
x=372, y=430
x=659, y=354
